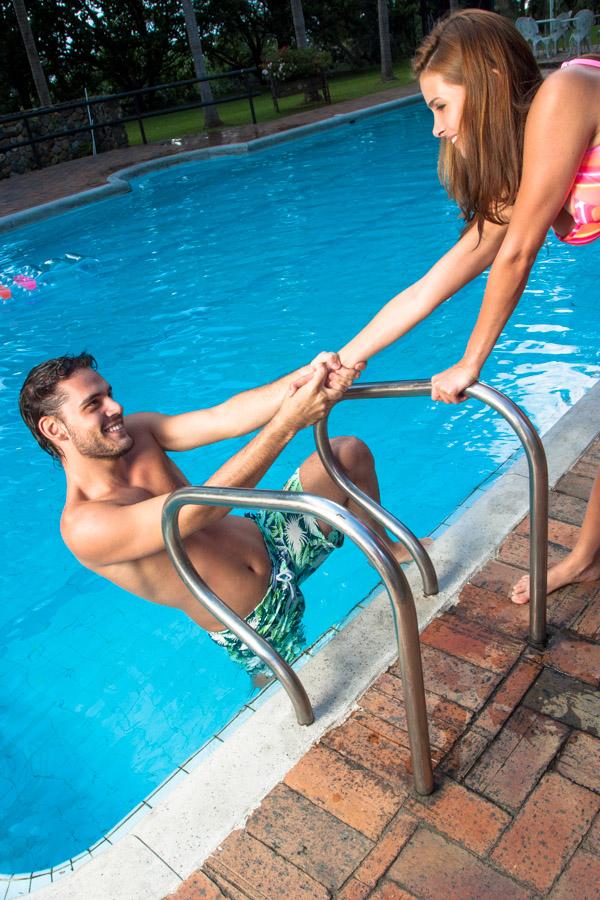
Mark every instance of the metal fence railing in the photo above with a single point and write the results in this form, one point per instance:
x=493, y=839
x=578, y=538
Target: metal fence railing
x=243, y=77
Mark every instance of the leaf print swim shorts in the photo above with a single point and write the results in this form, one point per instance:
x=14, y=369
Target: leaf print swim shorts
x=296, y=547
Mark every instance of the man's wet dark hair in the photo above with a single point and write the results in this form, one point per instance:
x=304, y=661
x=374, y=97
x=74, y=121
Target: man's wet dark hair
x=41, y=395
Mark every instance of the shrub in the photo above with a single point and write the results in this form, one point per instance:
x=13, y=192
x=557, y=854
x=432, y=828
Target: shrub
x=288, y=63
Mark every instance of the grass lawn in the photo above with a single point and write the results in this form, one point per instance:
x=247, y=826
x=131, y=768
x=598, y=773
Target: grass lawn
x=342, y=87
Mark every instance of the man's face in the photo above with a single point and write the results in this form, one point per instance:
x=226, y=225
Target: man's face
x=92, y=419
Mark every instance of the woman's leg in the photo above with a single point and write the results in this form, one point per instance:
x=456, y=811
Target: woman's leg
x=583, y=562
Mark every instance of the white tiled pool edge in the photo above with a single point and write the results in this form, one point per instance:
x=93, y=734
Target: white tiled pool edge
x=174, y=838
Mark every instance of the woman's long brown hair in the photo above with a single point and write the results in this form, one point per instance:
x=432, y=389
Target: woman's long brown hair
x=483, y=52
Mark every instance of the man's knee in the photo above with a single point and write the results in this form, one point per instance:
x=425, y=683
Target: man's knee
x=352, y=453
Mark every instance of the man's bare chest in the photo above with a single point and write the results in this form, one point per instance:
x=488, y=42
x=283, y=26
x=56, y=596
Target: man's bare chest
x=150, y=473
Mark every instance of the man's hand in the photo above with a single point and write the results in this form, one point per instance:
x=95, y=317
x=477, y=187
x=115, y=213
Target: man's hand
x=339, y=377
x=449, y=386
x=310, y=402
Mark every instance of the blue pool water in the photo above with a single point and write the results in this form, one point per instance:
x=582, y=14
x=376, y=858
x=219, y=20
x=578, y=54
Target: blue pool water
x=209, y=278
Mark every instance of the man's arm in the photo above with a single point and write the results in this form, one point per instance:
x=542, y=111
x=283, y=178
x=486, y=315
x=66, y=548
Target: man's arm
x=241, y=414
x=104, y=533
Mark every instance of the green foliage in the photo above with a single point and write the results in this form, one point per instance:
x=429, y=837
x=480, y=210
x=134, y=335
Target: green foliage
x=289, y=63
x=117, y=45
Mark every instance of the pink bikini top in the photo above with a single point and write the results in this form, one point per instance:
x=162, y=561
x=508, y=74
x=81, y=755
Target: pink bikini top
x=585, y=192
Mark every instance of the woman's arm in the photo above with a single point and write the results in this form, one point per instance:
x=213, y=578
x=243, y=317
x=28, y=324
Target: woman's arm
x=561, y=124
x=463, y=262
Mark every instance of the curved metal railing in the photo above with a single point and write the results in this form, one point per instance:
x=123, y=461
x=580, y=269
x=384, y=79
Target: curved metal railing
x=403, y=607
x=538, y=487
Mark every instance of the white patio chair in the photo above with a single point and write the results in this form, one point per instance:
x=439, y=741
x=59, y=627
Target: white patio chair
x=582, y=29
x=530, y=30
x=559, y=28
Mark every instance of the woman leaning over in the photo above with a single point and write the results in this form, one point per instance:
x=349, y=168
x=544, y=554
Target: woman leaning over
x=520, y=156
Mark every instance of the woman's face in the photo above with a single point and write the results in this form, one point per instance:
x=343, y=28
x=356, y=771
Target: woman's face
x=446, y=101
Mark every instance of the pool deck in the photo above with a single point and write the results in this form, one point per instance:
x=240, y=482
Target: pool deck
x=515, y=732
x=515, y=737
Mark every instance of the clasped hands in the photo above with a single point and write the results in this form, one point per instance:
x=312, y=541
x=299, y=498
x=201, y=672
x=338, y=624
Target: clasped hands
x=339, y=377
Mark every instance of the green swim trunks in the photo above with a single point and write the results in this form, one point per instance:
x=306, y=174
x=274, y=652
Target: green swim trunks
x=296, y=547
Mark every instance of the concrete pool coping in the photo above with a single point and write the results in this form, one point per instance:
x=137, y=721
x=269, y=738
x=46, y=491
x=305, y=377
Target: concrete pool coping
x=159, y=845
x=199, y=808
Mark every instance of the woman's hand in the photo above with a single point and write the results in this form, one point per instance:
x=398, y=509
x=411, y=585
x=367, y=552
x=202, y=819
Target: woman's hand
x=339, y=377
x=449, y=386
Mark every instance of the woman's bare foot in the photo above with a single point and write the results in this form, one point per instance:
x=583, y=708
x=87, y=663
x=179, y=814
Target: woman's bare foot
x=567, y=571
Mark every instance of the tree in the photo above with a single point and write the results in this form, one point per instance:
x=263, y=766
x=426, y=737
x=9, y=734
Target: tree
x=299, y=26
x=387, y=71
x=41, y=85
x=212, y=118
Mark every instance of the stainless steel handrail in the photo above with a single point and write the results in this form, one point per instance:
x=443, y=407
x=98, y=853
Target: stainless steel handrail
x=403, y=607
x=538, y=486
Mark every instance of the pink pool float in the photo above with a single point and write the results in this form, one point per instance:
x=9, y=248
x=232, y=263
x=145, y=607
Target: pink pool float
x=25, y=281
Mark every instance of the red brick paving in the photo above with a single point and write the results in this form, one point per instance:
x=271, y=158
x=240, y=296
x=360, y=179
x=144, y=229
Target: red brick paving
x=514, y=762
x=349, y=791
x=592, y=841
x=581, y=879
x=547, y=831
x=433, y=867
x=580, y=760
x=386, y=850
x=575, y=657
x=516, y=745
x=461, y=815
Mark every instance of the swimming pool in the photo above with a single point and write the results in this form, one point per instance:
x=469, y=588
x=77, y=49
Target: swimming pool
x=207, y=279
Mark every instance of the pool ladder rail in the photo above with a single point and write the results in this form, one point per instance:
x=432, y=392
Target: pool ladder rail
x=402, y=601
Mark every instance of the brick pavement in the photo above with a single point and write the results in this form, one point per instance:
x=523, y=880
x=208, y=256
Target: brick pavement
x=44, y=185
x=516, y=745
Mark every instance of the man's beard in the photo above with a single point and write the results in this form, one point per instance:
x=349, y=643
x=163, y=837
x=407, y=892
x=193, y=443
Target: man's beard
x=96, y=446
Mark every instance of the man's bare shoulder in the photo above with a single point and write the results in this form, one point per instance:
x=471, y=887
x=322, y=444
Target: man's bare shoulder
x=82, y=518
x=141, y=424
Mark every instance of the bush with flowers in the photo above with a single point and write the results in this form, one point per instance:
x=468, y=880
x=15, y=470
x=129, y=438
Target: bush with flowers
x=291, y=64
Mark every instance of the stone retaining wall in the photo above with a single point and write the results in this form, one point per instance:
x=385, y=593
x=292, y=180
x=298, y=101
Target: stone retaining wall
x=58, y=149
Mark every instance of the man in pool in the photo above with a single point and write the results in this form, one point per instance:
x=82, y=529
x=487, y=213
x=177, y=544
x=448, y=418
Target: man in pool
x=119, y=476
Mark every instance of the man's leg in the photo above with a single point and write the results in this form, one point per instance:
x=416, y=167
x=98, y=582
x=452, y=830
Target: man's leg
x=357, y=461
x=583, y=562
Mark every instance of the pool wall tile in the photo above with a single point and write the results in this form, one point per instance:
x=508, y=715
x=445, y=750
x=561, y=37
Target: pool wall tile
x=80, y=860
x=126, y=824
x=244, y=714
x=265, y=695
x=349, y=617
x=17, y=887
x=100, y=847
x=165, y=787
x=322, y=641
x=39, y=881
x=61, y=869
x=193, y=761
